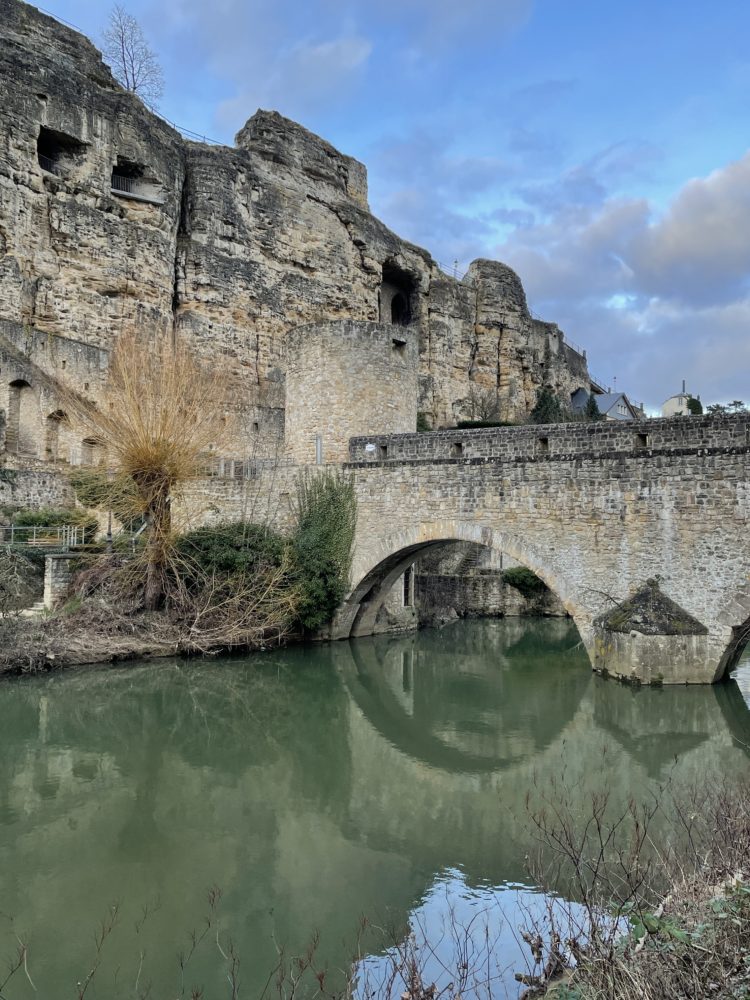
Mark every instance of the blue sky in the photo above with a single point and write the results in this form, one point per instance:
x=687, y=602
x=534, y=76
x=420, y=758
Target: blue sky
x=602, y=149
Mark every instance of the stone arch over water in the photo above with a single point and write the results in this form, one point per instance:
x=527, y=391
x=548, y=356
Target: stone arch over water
x=378, y=564
x=737, y=616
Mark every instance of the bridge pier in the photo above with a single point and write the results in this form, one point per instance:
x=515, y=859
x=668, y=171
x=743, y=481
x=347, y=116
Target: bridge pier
x=657, y=659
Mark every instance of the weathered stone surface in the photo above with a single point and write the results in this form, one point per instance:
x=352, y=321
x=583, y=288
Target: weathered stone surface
x=229, y=248
x=650, y=612
x=324, y=362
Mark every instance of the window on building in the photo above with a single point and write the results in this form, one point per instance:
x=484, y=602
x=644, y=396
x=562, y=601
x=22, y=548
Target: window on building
x=52, y=434
x=20, y=396
x=92, y=452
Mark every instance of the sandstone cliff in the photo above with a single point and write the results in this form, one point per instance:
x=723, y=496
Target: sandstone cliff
x=109, y=218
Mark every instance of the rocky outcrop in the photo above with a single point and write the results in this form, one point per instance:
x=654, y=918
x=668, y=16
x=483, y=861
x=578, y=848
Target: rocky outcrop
x=110, y=219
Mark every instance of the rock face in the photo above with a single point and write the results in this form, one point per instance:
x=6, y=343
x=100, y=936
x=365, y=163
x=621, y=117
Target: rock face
x=110, y=219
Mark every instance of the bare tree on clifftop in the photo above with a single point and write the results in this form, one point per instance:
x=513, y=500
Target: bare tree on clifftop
x=133, y=62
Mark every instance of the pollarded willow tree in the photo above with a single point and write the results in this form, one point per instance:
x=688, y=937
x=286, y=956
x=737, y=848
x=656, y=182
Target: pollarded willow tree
x=160, y=414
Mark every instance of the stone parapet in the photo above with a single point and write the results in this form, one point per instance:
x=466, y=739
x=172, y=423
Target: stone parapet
x=671, y=436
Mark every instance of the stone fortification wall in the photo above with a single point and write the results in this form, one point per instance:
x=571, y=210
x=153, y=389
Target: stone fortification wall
x=229, y=248
x=532, y=442
x=35, y=488
x=343, y=378
x=478, y=595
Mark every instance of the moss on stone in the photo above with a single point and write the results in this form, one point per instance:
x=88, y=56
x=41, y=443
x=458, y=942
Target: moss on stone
x=650, y=612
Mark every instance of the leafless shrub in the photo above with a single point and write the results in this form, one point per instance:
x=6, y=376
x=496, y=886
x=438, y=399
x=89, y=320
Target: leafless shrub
x=650, y=901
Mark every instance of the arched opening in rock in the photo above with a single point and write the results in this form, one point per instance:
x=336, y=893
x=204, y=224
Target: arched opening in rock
x=134, y=180
x=399, y=309
x=57, y=151
x=397, y=296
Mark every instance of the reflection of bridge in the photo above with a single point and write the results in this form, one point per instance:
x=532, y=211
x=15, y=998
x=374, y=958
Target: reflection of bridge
x=594, y=510
x=329, y=781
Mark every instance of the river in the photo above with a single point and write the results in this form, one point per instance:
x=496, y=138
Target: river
x=384, y=776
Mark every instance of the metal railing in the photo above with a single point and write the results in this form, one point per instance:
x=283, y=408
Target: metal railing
x=122, y=183
x=48, y=164
x=242, y=468
x=62, y=536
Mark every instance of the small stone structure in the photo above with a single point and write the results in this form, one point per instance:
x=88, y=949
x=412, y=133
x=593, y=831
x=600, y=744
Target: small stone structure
x=57, y=575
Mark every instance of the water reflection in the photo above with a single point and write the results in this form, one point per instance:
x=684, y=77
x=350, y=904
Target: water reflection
x=312, y=785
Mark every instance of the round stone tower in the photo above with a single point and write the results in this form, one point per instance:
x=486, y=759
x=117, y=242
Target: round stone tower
x=345, y=379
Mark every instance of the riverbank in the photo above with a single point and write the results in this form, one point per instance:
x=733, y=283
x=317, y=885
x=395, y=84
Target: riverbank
x=656, y=917
x=52, y=642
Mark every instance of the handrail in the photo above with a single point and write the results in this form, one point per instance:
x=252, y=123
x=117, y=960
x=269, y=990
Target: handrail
x=54, y=536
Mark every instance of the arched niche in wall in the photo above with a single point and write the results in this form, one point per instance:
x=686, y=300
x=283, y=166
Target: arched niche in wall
x=92, y=451
x=52, y=434
x=397, y=296
x=17, y=436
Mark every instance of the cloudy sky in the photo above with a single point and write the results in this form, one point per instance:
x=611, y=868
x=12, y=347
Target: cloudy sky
x=600, y=147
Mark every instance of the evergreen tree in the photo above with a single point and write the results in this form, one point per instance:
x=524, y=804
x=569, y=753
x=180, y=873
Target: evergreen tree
x=695, y=407
x=547, y=409
x=591, y=410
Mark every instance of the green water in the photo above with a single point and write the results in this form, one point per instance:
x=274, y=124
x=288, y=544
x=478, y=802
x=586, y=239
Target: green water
x=385, y=776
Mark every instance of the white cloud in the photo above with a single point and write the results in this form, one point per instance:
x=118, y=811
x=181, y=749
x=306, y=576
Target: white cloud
x=654, y=298
x=700, y=251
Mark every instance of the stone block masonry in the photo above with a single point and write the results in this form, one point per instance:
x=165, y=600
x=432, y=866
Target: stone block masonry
x=345, y=377
x=594, y=510
x=595, y=517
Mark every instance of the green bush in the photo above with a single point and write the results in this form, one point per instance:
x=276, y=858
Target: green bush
x=53, y=517
x=322, y=544
x=524, y=581
x=230, y=548
x=423, y=422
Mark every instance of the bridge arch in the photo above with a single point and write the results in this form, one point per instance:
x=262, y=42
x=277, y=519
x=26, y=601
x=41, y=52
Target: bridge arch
x=737, y=617
x=378, y=563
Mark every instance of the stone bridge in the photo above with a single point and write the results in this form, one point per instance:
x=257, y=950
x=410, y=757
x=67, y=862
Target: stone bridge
x=596, y=510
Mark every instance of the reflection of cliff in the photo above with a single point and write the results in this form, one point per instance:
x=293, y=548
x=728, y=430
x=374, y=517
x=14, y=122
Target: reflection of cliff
x=312, y=785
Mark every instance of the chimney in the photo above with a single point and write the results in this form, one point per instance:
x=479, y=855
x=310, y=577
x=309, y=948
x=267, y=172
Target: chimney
x=683, y=387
